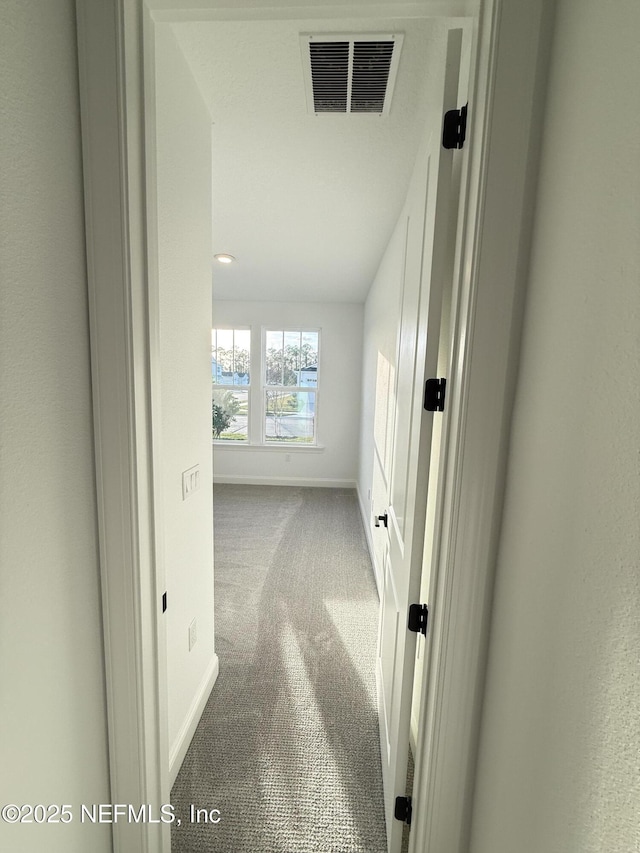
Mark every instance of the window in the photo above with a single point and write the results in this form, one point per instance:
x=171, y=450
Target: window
x=230, y=383
x=281, y=409
x=290, y=373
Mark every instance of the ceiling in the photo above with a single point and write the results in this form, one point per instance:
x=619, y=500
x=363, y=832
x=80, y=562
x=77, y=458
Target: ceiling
x=305, y=203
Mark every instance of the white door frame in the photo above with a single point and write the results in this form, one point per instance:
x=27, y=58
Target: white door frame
x=493, y=237
x=494, y=234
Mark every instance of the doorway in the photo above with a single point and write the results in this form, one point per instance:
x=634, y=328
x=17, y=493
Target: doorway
x=124, y=351
x=248, y=450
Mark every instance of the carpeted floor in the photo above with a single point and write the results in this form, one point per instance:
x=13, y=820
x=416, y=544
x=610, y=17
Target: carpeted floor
x=288, y=747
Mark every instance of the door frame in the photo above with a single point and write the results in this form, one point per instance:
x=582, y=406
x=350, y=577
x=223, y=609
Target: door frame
x=115, y=40
x=493, y=246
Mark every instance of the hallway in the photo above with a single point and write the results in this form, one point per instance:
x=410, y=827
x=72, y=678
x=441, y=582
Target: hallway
x=288, y=747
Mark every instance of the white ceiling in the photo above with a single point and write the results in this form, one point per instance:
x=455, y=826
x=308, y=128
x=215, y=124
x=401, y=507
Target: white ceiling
x=306, y=204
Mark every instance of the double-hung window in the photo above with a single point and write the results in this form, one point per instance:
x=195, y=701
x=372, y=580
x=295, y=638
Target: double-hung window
x=284, y=403
x=290, y=390
x=231, y=383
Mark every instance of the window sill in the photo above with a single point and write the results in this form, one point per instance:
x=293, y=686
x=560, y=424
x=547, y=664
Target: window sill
x=275, y=448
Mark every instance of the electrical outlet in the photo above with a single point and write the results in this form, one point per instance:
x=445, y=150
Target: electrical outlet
x=193, y=634
x=287, y=457
x=190, y=481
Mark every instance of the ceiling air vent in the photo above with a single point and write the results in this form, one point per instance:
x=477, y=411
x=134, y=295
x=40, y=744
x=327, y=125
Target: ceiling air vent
x=329, y=75
x=350, y=73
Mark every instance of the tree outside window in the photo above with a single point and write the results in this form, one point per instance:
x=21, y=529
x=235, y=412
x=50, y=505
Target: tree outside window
x=230, y=383
x=291, y=382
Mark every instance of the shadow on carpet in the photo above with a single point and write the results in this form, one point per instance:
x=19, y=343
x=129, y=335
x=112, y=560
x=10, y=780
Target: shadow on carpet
x=288, y=745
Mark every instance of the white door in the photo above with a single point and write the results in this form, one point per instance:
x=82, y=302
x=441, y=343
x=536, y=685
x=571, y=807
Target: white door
x=428, y=246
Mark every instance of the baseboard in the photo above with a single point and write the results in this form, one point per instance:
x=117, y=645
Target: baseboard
x=188, y=728
x=367, y=535
x=314, y=482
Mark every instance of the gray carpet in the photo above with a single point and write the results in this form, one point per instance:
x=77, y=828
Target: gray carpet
x=288, y=747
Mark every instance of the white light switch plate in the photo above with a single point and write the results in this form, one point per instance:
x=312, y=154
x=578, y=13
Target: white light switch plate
x=193, y=634
x=190, y=481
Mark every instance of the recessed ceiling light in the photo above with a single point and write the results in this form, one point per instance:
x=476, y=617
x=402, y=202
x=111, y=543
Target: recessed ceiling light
x=224, y=258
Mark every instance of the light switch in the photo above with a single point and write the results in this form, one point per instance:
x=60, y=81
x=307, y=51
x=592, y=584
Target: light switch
x=190, y=481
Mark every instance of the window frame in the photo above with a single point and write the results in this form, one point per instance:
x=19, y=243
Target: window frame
x=305, y=389
x=225, y=327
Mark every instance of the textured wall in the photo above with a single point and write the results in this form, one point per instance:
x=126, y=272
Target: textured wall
x=53, y=733
x=559, y=764
x=184, y=219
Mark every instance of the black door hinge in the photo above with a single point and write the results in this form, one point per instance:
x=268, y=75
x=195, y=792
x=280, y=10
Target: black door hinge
x=164, y=601
x=402, y=810
x=454, y=128
x=434, y=393
x=418, y=618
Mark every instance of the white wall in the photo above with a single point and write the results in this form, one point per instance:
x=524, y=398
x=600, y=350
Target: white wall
x=560, y=739
x=338, y=398
x=53, y=742
x=184, y=225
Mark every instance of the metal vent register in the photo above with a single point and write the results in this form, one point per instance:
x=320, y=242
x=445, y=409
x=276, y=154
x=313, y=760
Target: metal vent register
x=350, y=74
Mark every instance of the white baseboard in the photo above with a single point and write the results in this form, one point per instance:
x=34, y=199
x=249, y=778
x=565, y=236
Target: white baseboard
x=366, y=523
x=188, y=728
x=317, y=482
